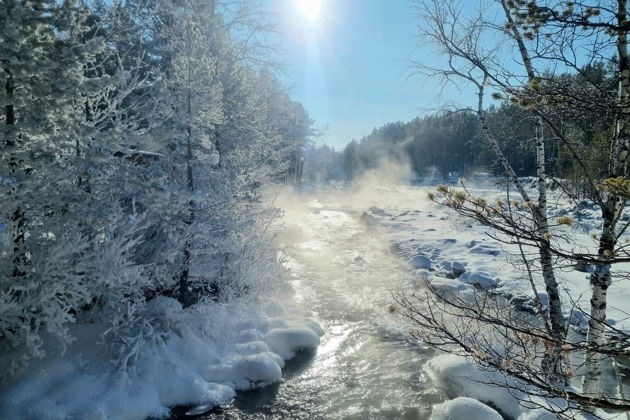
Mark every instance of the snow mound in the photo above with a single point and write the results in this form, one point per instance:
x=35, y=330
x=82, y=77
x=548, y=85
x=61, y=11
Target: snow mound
x=287, y=341
x=196, y=365
x=252, y=347
x=246, y=372
x=478, y=279
x=485, y=249
x=464, y=408
x=162, y=306
x=420, y=262
x=459, y=376
x=445, y=285
x=368, y=219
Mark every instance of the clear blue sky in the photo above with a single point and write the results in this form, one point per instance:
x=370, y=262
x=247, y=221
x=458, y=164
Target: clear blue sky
x=350, y=66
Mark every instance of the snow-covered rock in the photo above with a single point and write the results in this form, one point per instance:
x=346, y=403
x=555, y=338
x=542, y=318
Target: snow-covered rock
x=478, y=279
x=367, y=219
x=420, y=261
x=378, y=211
x=457, y=269
x=253, y=347
x=459, y=376
x=245, y=372
x=446, y=285
x=486, y=249
x=464, y=408
x=287, y=341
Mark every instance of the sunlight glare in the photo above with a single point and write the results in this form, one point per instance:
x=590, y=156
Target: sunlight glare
x=309, y=8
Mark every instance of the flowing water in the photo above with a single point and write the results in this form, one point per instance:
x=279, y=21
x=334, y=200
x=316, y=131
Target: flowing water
x=365, y=368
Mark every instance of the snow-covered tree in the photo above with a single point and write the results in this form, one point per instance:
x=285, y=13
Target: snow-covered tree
x=45, y=134
x=137, y=138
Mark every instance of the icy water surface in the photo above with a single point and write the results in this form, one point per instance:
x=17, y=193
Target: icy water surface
x=365, y=368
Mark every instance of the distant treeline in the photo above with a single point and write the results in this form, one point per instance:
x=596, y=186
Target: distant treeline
x=450, y=144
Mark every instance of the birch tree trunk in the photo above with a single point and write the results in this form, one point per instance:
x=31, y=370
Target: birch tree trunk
x=601, y=278
x=554, y=361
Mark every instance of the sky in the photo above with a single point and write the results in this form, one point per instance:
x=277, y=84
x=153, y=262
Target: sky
x=350, y=66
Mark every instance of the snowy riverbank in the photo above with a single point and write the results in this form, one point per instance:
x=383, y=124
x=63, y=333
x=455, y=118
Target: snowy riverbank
x=212, y=351
x=347, y=251
x=453, y=253
x=458, y=256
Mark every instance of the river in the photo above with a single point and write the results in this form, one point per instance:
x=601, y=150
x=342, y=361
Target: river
x=343, y=273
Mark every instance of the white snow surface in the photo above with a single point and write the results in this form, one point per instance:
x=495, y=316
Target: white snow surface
x=212, y=351
x=464, y=408
x=438, y=243
x=459, y=376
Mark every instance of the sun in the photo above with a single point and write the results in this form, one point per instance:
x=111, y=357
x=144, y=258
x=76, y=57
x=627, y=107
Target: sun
x=309, y=8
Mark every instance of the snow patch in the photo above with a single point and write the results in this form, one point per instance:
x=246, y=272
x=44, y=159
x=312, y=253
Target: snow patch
x=246, y=372
x=459, y=376
x=287, y=341
x=464, y=408
x=478, y=279
x=446, y=285
x=421, y=262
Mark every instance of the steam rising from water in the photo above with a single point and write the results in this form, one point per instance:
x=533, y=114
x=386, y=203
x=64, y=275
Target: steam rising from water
x=388, y=171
